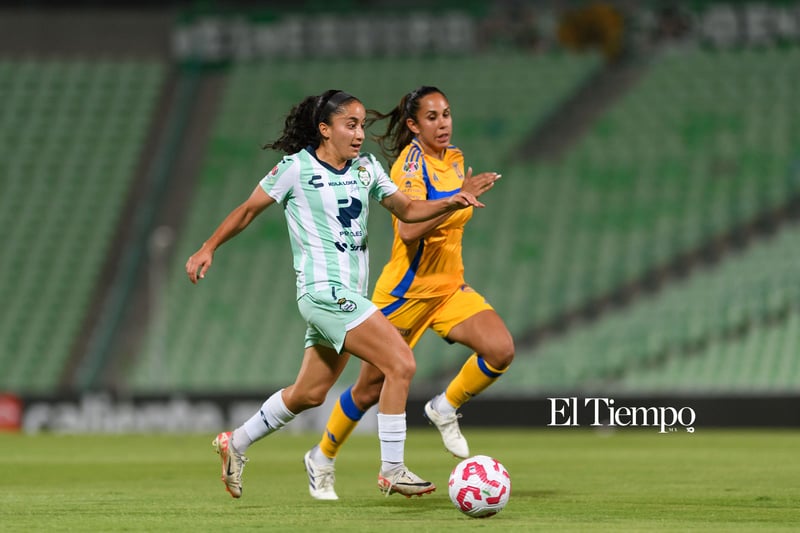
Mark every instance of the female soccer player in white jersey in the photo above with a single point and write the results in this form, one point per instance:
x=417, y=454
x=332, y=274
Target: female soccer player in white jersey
x=422, y=286
x=324, y=185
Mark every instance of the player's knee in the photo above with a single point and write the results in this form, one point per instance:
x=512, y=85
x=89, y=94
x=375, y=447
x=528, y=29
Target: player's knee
x=402, y=366
x=310, y=398
x=316, y=399
x=409, y=365
x=501, y=355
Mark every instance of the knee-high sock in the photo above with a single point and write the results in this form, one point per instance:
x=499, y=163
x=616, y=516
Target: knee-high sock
x=272, y=416
x=473, y=378
x=392, y=434
x=342, y=421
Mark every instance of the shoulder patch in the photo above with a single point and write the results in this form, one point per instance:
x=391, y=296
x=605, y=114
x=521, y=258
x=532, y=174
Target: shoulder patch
x=409, y=167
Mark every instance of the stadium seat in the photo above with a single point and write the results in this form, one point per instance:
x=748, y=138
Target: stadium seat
x=71, y=132
x=681, y=337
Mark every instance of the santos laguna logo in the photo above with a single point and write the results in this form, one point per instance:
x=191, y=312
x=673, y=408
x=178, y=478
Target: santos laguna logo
x=602, y=412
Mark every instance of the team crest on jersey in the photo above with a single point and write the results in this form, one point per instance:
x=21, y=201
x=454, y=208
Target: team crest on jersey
x=458, y=171
x=363, y=176
x=348, y=306
x=410, y=167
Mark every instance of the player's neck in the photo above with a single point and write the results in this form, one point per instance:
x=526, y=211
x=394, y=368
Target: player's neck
x=436, y=153
x=334, y=160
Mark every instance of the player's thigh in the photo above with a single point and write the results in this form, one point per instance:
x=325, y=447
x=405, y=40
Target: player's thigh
x=486, y=334
x=321, y=366
x=468, y=319
x=378, y=342
x=320, y=369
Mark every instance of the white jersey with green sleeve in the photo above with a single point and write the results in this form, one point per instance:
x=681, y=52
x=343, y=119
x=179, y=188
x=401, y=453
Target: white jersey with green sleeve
x=326, y=212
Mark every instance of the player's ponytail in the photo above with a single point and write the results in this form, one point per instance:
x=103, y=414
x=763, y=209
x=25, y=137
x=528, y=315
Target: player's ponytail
x=397, y=135
x=301, y=127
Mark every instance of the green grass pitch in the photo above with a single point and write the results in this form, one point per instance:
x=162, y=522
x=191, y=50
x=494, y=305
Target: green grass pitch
x=563, y=480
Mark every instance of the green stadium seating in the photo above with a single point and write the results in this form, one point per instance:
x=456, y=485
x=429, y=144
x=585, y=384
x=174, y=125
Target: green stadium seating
x=704, y=143
x=686, y=337
x=70, y=136
x=763, y=360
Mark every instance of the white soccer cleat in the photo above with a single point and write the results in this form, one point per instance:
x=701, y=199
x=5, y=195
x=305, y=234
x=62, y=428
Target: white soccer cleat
x=232, y=463
x=321, y=479
x=403, y=481
x=447, y=425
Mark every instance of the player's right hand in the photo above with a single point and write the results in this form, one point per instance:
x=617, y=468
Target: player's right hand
x=198, y=264
x=463, y=199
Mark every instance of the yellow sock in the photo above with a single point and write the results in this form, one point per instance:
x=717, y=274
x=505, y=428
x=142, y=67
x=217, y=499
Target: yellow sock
x=474, y=377
x=343, y=420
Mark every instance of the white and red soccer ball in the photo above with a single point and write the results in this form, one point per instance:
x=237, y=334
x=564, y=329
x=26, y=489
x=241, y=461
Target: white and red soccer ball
x=479, y=486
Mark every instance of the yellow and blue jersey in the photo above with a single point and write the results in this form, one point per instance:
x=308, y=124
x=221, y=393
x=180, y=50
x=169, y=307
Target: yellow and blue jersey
x=432, y=266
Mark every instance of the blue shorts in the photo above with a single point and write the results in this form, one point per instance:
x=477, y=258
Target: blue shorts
x=330, y=315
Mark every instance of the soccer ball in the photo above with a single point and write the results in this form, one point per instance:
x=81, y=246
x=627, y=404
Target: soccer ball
x=479, y=486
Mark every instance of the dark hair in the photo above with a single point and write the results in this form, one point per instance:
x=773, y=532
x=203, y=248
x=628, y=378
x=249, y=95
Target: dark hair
x=397, y=135
x=301, y=128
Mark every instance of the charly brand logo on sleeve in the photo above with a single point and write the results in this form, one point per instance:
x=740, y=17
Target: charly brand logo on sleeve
x=603, y=412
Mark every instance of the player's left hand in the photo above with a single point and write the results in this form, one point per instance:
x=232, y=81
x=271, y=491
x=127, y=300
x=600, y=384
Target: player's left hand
x=480, y=183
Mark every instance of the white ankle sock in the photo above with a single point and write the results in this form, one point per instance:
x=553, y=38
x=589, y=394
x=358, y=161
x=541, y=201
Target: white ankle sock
x=320, y=458
x=392, y=434
x=272, y=416
x=441, y=405
x=241, y=440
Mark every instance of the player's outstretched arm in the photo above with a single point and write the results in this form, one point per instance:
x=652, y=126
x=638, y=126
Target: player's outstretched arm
x=237, y=220
x=409, y=210
x=477, y=185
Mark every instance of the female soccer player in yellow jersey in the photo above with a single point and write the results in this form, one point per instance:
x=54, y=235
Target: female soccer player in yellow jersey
x=422, y=286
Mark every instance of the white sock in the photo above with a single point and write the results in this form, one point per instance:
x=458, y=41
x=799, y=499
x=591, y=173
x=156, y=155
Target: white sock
x=320, y=458
x=442, y=406
x=241, y=440
x=272, y=416
x=392, y=434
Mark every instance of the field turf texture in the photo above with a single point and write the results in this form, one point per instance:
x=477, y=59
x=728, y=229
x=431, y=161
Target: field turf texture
x=563, y=479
